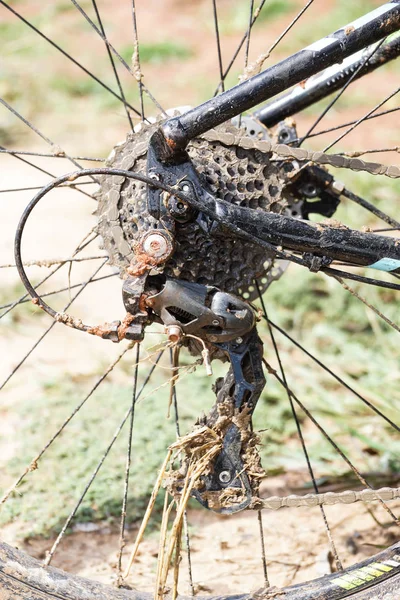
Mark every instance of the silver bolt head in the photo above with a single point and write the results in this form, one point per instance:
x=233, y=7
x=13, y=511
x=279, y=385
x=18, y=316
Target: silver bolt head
x=239, y=340
x=224, y=477
x=215, y=322
x=155, y=245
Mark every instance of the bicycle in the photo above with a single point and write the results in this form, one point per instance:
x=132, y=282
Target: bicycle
x=199, y=213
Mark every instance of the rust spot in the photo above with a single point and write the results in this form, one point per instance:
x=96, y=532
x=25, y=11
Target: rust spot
x=124, y=325
x=302, y=84
x=349, y=29
x=142, y=263
x=143, y=302
x=172, y=144
x=35, y=301
x=101, y=330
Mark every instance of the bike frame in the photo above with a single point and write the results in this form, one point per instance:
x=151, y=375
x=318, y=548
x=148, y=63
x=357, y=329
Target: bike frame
x=169, y=142
x=324, y=53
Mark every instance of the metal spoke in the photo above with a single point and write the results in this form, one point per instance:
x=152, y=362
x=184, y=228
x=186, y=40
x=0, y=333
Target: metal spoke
x=370, y=207
x=263, y=556
x=218, y=40
x=44, y=334
x=128, y=467
x=238, y=49
x=31, y=164
x=50, y=554
x=114, y=69
x=299, y=431
x=83, y=244
x=324, y=131
x=330, y=440
x=39, y=187
x=341, y=92
x=114, y=51
x=247, y=48
x=256, y=67
x=334, y=375
x=357, y=123
x=60, y=154
x=29, y=24
x=136, y=59
x=53, y=261
x=27, y=162
x=248, y=35
x=370, y=306
x=173, y=354
x=34, y=462
x=64, y=289
x=39, y=133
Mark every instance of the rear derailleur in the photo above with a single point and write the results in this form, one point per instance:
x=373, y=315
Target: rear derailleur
x=196, y=316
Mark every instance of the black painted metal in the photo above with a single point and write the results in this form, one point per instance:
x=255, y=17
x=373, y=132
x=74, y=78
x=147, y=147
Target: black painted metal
x=178, y=131
x=303, y=96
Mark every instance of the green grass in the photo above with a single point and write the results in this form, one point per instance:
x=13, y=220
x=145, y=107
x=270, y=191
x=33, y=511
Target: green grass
x=324, y=22
x=159, y=53
x=236, y=19
x=318, y=313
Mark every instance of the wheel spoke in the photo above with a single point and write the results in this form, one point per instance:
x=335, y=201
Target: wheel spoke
x=341, y=92
x=263, y=555
x=128, y=413
x=31, y=164
x=112, y=63
x=53, y=261
x=47, y=331
x=257, y=66
x=173, y=354
x=39, y=133
x=83, y=244
x=59, y=154
x=29, y=24
x=299, y=431
x=128, y=467
x=334, y=375
x=370, y=207
x=218, y=40
x=337, y=127
x=120, y=58
x=362, y=119
x=34, y=462
x=330, y=440
x=238, y=49
x=369, y=305
x=64, y=289
x=136, y=59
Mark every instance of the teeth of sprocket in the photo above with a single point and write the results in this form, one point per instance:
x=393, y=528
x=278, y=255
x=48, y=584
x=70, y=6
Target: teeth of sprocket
x=232, y=173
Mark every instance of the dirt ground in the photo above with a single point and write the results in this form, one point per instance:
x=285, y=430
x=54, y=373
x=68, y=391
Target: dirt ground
x=225, y=550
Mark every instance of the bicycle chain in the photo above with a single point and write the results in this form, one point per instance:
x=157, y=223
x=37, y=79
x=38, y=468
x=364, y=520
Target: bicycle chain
x=328, y=498
x=302, y=155
x=341, y=162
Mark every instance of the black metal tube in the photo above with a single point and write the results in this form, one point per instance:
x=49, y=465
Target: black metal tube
x=338, y=243
x=321, y=86
x=178, y=131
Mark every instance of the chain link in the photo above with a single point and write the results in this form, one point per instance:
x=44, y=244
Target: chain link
x=287, y=152
x=329, y=498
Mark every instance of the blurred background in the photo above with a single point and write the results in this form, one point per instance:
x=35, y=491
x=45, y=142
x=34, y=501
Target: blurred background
x=178, y=56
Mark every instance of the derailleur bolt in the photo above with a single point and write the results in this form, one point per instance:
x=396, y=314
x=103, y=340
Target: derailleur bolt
x=224, y=477
x=174, y=333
